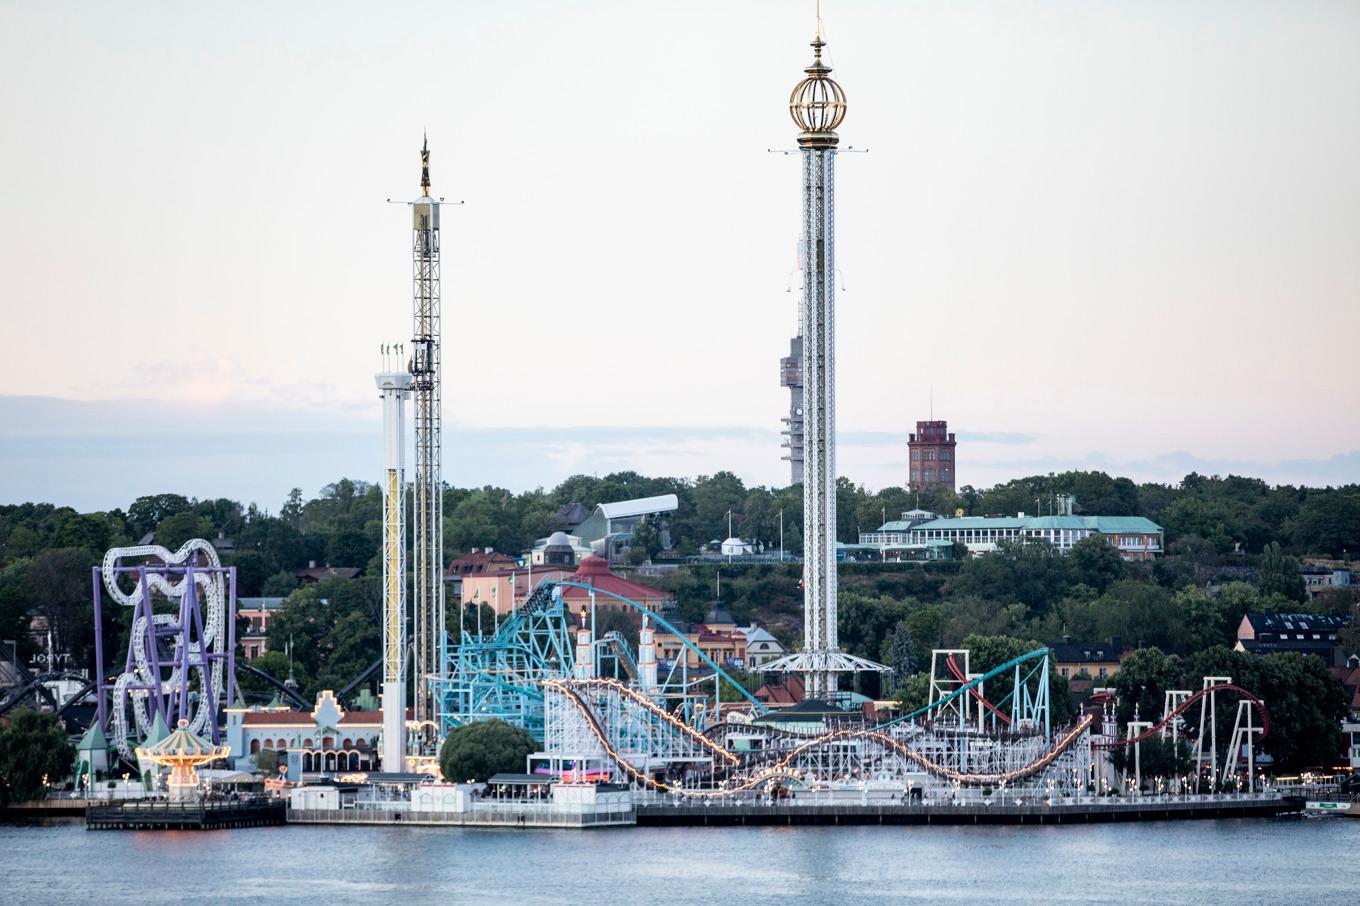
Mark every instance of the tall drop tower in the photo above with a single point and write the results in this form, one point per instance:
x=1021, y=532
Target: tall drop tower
x=428, y=509
x=395, y=387
x=817, y=105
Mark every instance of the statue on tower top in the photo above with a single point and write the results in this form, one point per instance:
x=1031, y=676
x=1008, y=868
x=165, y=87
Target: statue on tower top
x=425, y=166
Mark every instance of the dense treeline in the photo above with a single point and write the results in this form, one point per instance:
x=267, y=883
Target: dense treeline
x=1217, y=528
x=1237, y=537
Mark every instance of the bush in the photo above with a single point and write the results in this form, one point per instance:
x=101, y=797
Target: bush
x=33, y=746
x=476, y=751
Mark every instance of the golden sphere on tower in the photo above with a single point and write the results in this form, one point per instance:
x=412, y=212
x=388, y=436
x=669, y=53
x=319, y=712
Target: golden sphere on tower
x=817, y=103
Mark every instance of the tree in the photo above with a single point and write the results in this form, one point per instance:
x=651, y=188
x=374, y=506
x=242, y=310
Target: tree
x=474, y=752
x=1280, y=574
x=174, y=530
x=252, y=569
x=900, y=653
x=279, y=585
x=291, y=511
x=1142, y=680
x=57, y=584
x=33, y=748
x=1157, y=758
x=1096, y=562
x=1305, y=702
x=1328, y=522
x=1031, y=572
x=987, y=652
x=146, y=513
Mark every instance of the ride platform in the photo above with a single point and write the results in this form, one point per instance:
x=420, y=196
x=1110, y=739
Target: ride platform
x=259, y=812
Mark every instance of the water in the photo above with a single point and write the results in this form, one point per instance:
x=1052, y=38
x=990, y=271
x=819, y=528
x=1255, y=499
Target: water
x=1202, y=862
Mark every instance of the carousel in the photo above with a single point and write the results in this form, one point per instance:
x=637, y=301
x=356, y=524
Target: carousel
x=183, y=751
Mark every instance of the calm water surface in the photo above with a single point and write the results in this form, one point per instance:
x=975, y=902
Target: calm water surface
x=1202, y=862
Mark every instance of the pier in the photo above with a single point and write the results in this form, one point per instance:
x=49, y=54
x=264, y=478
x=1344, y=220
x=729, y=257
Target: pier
x=163, y=815
x=1086, y=811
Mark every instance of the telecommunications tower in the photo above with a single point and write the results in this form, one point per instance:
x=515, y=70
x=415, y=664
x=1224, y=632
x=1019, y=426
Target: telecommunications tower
x=818, y=107
x=395, y=387
x=428, y=509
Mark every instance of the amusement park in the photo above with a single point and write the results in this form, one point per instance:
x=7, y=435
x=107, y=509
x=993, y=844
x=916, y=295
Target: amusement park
x=642, y=725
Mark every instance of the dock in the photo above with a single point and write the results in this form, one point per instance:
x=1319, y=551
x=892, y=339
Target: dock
x=186, y=815
x=1085, y=811
x=524, y=816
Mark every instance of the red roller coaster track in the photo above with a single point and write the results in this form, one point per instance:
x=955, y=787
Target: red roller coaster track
x=1256, y=704
x=977, y=694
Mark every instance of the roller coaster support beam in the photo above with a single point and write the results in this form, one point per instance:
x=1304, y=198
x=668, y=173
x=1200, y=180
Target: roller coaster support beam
x=1208, y=709
x=966, y=688
x=1135, y=729
x=755, y=702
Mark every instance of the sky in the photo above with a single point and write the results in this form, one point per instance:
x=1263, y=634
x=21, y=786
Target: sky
x=1089, y=233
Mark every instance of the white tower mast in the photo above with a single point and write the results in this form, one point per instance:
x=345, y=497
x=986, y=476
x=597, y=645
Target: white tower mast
x=428, y=547
x=395, y=387
x=818, y=107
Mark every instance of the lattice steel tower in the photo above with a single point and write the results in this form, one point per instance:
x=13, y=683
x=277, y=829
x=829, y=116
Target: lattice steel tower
x=394, y=387
x=817, y=105
x=428, y=506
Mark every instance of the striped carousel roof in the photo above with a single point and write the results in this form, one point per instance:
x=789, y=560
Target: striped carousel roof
x=183, y=744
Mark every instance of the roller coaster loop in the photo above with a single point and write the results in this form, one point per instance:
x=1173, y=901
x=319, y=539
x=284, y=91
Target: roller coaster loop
x=1256, y=703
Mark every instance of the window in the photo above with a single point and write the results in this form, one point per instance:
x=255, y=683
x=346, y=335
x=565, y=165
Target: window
x=915, y=455
x=930, y=455
x=930, y=474
x=944, y=473
x=944, y=454
x=915, y=474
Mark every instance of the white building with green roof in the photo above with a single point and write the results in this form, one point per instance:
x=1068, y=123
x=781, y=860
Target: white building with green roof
x=924, y=536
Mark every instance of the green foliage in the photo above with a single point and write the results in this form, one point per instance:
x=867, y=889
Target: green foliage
x=474, y=752
x=174, y=530
x=1033, y=573
x=1143, y=678
x=1095, y=562
x=1328, y=522
x=333, y=627
x=1304, y=701
x=32, y=746
x=1158, y=759
x=987, y=652
x=1280, y=574
x=280, y=585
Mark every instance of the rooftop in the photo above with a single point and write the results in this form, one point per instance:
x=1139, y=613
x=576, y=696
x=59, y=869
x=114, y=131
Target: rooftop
x=640, y=507
x=1279, y=622
x=1106, y=525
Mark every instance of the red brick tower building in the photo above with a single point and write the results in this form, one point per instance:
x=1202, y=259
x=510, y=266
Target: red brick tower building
x=932, y=456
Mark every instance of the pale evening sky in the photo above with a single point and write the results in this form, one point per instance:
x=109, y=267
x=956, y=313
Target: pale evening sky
x=1122, y=235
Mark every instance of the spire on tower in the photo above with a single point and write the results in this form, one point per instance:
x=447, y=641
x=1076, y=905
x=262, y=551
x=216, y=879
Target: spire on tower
x=817, y=103
x=425, y=165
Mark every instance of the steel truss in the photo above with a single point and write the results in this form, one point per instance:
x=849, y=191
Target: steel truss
x=180, y=664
